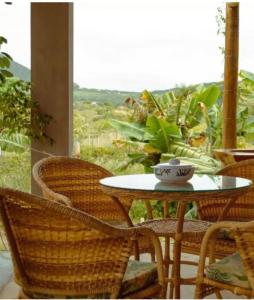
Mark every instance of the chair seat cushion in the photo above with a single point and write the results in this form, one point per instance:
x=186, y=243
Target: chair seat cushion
x=226, y=234
x=229, y=270
x=138, y=276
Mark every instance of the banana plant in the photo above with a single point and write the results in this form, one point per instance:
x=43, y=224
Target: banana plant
x=163, y=124
x=245, y=111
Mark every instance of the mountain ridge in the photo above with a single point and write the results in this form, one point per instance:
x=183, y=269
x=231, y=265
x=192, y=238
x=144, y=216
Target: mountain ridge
x=104, y=96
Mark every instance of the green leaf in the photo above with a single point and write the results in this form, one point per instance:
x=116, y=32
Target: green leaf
x=7, y=55
x=2, y=78
x=129, y=130
x=246, y=75
x=4, y=62
x=210, y=96
x=162, y=131
x=3, y=40
x=14, y=142
x=6, y=73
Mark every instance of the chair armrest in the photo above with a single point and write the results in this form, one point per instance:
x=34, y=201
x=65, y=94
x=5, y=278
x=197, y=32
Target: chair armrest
x=209, y=240
x=51, y=195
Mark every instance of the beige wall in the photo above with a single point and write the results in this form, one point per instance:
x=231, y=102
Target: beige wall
x=52, y=73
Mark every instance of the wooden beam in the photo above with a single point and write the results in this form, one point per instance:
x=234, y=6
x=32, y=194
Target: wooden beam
x=52, y=73
x=230, y=75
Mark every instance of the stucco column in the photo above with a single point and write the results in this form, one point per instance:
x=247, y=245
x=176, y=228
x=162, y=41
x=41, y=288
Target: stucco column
x=52, y=74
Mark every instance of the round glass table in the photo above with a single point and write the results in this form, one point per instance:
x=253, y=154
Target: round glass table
x=198, y=188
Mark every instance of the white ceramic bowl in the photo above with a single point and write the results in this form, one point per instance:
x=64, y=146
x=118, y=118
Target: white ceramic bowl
x=173, y=171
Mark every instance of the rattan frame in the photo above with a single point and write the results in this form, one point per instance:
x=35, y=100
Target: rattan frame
x=180, y=234
x=241, y=210
x=63, y=235
x=75, y=182
x=244, y=236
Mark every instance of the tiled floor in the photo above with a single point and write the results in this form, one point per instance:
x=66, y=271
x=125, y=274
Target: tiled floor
x=10, y=290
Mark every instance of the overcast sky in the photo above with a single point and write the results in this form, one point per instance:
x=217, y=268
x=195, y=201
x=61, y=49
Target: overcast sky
x=137, y=44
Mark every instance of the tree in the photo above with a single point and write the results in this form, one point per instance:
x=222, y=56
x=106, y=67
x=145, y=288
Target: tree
x=20, y=115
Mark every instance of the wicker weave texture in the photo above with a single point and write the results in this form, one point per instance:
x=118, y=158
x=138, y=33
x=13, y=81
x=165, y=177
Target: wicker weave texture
x=58, y=250
x=168, y=227
x=78, y=180
x=244, y=236
x=243, y=208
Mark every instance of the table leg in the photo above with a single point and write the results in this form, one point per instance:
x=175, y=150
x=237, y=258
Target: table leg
x=177, y=248
x=167, y=260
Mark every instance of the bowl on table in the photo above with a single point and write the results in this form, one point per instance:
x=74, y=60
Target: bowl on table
x=174, y=171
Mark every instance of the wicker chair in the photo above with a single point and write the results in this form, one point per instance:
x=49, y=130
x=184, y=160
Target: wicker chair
x=235, y=272
x=242, y=210
x=61, y=252
x=75, y=182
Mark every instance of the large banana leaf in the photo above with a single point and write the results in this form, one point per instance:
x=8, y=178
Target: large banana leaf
x=180, y=149
x=147, y=160
x=201, y=165
x=210, y=95
x=129, y=130
x=160, y=132
x=206, y=95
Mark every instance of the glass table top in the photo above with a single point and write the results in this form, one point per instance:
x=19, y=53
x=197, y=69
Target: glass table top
x=198, y=183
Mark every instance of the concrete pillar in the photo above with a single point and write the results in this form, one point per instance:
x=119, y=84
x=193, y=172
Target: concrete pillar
x=52, y=74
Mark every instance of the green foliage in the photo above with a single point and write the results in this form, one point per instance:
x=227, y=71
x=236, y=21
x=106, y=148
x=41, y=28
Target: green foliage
x=109, y=97
x=5, y=62
x=133, y=131
x=167, y=124
x=20, y=115
x=111, y=158
x=245, y=112
x=15, y=142
x=221, y=25
x=15, y=170
x=16, y=108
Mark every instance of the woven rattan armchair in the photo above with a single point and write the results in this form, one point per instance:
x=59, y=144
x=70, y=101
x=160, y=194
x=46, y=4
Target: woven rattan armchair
x=75, y=182
x=235, y=272
x=241, y=210
x=61, y=252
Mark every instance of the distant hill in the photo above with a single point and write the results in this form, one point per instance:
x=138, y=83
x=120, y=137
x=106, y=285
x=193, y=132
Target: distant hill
x=115, y=97
x=20, y=71
x=111, y=97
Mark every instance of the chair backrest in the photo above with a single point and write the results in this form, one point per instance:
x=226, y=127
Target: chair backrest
x=243, y=208
x=244, y=237
x=58, y=250
x=79, y=181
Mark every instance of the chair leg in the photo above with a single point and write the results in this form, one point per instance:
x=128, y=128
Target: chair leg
x=218, y=294
x=167, y=255
x=171, y=289
x=152, y=257
x=136, y=250
x=22, y=295
x=197, y=294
